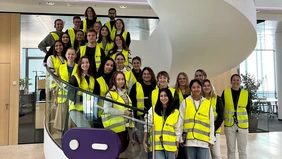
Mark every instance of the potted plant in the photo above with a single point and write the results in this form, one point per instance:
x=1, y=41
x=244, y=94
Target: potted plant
x=24, y=83
x=252, y=85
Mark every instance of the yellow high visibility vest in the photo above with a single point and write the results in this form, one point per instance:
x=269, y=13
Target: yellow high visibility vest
x=114, y=33
x=125, y=54
x=130, y=79
x=64, y=75
x=108, y=24
x=71, y=33
x=155, y=95
x=57, y=62
x=213, y=101
x=85, y=86
x=55, y=36
x=103, y=90
x=97, y=56
x=197, y=122
x=166, y=130
x=114, y=122
x=242, y=115
x=109, y=46
x=140, y=98
x=180, y=95
x=85, y=25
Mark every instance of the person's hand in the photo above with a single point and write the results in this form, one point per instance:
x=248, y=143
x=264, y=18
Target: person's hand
x=128, y=113
x=210, y=145
x=176, y=153
x=146, y=147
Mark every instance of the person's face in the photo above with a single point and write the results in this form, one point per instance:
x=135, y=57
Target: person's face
x=59, y=25
x=235, y=82
x=163, y=98
x=112, y=14
x=104, y=32
x=79, y=36
x=136, y=64
x=162, y=80
x=196, y=89
x=91, y=37
x=97, y=27
x=70, y=55
x=206, y=87
x=199, y=76
x=119, y=24
x=119, y=81
x=146, y=76
x=85, y=64
x=76, y=23
x=65, y=38
x=58, y=47
x=118, y=41
x=182, y=80
x=119, y=60
x=89, y=12
x=108, y=67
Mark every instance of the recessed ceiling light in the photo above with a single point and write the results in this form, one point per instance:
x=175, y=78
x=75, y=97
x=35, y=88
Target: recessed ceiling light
x=50, y=3
x=123, y=7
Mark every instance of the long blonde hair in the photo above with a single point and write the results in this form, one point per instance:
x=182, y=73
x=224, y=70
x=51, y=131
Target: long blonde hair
x=177, y=85
x=212, y=93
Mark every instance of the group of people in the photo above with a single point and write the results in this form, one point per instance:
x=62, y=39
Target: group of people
x=187, y=119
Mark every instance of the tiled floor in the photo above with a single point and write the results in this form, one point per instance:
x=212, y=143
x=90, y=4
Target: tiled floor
x=260, y=146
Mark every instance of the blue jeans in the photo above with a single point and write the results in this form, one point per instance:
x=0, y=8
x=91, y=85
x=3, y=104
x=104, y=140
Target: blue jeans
x=196, y=152
x=162, y=154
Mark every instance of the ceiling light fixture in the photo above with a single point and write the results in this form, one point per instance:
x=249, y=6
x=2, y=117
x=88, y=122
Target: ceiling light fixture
x=50, y=3
x=123, y=7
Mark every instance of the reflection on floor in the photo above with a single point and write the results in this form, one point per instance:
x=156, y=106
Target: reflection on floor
x=269, y=123
x=260, y=146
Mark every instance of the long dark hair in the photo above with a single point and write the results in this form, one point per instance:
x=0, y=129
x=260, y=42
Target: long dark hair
x=170, y=105
x=68, y=44
x=93, y=11
x=101, y=37
x=75, y=44
x=101, y=68
x=122, y=22
x=55, y=53
x=79, y=69
x=115, y=48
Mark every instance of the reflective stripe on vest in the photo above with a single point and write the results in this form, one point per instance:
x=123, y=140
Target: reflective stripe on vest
x=114, y=33
x=55, y=36
x=165, y=130
x=56, y=64
x=109, y=46
x=103, y=90
x=71, y=33
x=242, y=115
x=130, y=79
x=82, y=83
x=155, y=95
x=64, y=75
x=114, y=122
x=213, y=101
x=140, y=98
x=97, y=55
x=197, y=122
x=126, y=55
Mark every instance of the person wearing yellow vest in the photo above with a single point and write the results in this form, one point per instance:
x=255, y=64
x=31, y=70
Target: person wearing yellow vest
x=139, y=96
x=104, y=41
x=112, y=15
x=76, y=20
x=136, y=64
x=50, y=39
x=54, y=61
x=209, y=93
x=93, y=51
x=102, y=83
x=65, y=71
x=196, y=123
x=200, y=75
x=120, y=47
x=119, y=29
x=79, y=40
x=97, y=27
x=129, y=76
x=162, y=82
x=90, y=19
x=112, y=118
x=164, y=116
x=83, y=80
x=236, y=103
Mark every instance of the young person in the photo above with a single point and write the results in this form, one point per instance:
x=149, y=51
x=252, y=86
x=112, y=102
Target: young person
x=76, y=20
x=136, y=63
x=200, y=75
x=57, y=58
x=236, y=103
x=120, y=47
x=90, y=19
x=79, y=40
x=112, y=15
x=104, y=41
x=119, y=29
x=182, y=86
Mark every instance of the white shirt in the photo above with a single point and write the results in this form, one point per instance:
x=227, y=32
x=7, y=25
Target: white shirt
x=108, y=106
x=179, y=125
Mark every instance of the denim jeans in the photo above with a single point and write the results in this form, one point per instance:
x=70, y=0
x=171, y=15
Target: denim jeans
x=196, y=152
x=162, y=154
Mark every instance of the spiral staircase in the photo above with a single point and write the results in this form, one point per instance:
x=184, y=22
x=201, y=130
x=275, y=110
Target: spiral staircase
x=215, y=35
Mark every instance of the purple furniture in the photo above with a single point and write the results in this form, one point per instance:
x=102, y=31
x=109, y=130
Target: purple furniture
x=85, y=143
